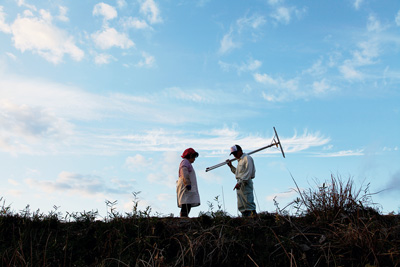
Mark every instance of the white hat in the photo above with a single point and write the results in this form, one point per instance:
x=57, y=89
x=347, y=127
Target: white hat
x=235, y=148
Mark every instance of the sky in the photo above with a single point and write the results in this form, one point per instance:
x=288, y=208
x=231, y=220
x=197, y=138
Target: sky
x=98, y=100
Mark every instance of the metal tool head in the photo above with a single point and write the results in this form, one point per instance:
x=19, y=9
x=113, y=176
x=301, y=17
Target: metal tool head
x=279, y=143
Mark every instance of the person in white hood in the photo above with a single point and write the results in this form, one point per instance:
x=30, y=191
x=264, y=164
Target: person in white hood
x=244, y=174
x=186, y=187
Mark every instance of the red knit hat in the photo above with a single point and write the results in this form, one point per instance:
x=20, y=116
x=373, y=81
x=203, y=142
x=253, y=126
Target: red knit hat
x=189, y=151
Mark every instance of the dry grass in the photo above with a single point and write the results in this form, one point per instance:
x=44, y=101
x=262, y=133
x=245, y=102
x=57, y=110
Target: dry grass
x=334, y=225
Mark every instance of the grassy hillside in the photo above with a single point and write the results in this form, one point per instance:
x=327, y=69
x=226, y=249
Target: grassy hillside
x=331, y=226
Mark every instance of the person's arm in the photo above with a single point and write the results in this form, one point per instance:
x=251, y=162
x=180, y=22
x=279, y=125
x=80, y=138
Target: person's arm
x=186, y=177
x=229, y=163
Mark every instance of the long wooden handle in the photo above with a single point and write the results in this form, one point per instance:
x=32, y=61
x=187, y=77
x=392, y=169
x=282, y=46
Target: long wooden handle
x=278, y=143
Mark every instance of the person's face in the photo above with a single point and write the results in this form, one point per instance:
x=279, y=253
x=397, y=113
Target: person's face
x=237, y=154
x=192, y=159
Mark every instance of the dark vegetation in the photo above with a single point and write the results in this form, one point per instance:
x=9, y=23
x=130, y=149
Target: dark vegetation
x=332, y=225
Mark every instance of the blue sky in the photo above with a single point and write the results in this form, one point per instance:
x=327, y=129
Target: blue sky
x=99, y=99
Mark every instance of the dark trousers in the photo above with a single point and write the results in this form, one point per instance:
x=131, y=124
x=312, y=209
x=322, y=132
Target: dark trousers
x=185, y=209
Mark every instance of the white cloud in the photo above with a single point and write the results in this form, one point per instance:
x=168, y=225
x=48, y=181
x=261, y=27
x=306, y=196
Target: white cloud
x=150, y=9
x=250, y=65
x=135, y=23
x=82, y=185
x=138, y=162
x=317, y=69
x=121, y=3
x=101, y=59
x=364, y=55
x=397, y=19
x=39, y=117
x=343, y=153
x=227, y=44
x=63, y=14
x=11, y=55
x=23, y=4
x=282, y=196
x=282, y=14
x=374, y=25
x=4, y=27
x=254, y=22
x=349, y=72
x=40, y=36
x=105, y=10
x=52, y=98
x=321, y=87
x=110, y=37
x=188, y=95
x=148, y=61
x=265, y=78
x=23, y=126
x=357, y=4
x=167, y=173
x=278, y=90
x=246, y=27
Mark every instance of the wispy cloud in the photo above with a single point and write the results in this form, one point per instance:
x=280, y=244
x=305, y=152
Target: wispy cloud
x=36, y=114
x=138, y=162
x=22, y=126
x=283, y=13
x=148, y=61
x=165, y=172
x=282, y=198
x=4, y=27
x=150, y=9
x=105, y=10
x=245, y=28
x=83, y=185
x=62, y=16
x=252, y=22
x=135, y=23
x=102, y=58
x=397, y=18
x=22, y=3
x=343, y=153
x=366, y=54
x=279, y=89
x=187, y=95
x=358, y=3
x=110, y=37
x=227, y=44
x=249, y=66
x=39, y=35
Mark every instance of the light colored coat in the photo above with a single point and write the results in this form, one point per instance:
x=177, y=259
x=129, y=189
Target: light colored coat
x=187, y=176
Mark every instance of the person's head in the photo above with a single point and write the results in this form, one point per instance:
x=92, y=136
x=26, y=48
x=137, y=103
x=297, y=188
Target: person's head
x=190, y=154
x=236, y=151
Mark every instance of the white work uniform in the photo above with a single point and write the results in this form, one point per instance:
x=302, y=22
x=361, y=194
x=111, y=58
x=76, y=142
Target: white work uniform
x=244, y=173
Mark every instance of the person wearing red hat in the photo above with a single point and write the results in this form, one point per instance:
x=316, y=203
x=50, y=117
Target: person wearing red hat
x=186, y=187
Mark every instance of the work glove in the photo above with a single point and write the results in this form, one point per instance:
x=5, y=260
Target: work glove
x=188, y=187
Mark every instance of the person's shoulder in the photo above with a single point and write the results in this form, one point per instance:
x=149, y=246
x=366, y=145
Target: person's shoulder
x=184, y=162
x=248, y=157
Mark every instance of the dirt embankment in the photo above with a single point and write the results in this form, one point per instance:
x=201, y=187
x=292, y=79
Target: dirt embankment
x=353, y=239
